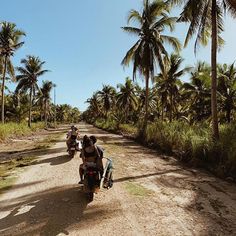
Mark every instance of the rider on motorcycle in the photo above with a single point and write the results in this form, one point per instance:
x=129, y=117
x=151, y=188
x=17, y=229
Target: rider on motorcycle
x=73, y=133
x=90, y=154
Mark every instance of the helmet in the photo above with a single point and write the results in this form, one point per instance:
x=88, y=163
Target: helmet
x=93, y=138
x=73, y=127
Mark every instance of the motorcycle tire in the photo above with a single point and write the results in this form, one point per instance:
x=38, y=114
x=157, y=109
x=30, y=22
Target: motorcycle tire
x=90, y=196
x=72, y=153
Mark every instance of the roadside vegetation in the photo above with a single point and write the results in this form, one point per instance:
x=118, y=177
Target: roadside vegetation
x=193, y=120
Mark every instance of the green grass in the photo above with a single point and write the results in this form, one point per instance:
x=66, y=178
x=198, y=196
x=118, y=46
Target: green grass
x=129, y=129
x=10, y=130
x=137, y=190
x=194, y=144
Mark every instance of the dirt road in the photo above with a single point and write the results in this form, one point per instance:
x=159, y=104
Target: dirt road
x=152, y=195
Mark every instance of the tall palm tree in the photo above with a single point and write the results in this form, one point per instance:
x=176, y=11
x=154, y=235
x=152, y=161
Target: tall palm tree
x=206, y=20
x=148, y=50
x=10, y=38
x=197, y=93
x=27, y=80
x=168, y=80
x=106, y=96
x=227, y=89
x=126, y=97
x=45, y=91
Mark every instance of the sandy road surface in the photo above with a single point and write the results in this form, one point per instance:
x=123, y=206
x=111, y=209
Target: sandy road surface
x=152, y=195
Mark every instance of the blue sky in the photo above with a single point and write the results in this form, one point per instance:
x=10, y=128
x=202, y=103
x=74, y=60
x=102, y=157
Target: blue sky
x=83, y=44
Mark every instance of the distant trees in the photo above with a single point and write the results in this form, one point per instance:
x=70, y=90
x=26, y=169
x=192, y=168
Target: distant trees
x=28, y=97
x=28, y=78
x=170, y=97
x=10, y=41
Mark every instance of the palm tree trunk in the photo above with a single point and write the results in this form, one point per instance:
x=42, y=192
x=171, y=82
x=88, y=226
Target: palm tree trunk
x=146, y=102
x=41, y=111
x=30, y=108
x=171, y=104
x=228, y=115
x=45, y=114
x=162, y=111
x=214, y=73
x=3, y=87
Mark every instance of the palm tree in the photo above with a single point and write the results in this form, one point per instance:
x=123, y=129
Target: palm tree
x=152, y=101
x=197, y=93
x=45, y=91
x=206, y=20
x=28, y=78
x=94, y=105
x=227, y=89
x=148, y=50
x=106, y=96
x=10, y=38
x=168, y=80
x=126, y=97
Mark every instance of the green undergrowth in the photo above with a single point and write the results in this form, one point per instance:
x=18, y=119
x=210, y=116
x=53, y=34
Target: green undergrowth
x=112, y=126
x=138, y=190
x=194, y=145
x=191, y=144
x=10, y=130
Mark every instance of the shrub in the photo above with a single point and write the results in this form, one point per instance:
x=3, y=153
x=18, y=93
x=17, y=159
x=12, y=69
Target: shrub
x=11, y=129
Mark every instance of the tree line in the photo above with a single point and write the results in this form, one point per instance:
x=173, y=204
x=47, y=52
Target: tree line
x=28, y=97
x=170, y=98
x=205, y=19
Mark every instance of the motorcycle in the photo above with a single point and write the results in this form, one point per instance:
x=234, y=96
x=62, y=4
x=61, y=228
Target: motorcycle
x=91, y=180
x=74, y=146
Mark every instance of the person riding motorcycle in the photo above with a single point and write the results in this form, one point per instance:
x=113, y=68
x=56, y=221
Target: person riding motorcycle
x=90, y=154
x=73, y=134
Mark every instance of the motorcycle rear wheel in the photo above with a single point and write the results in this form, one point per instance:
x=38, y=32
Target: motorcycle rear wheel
x=90, y=196
x=72, y=153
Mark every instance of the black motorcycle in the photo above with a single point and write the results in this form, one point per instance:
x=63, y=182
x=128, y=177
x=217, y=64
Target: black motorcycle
x=73, y=147
x=91, y=181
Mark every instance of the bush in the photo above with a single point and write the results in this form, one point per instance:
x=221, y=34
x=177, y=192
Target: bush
x=193, y=144
x=128, y=129
x=11, y=129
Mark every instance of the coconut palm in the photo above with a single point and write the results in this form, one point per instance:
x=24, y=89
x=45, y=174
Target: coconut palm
x=227, y=89
x=94, y=105
x=106, y=96
x=147, y=52
x=10, y=38
x=197, y=93
x=45, y=91
x=168, y=81
x=27, y=80
x=206, y=20
x=126, y=97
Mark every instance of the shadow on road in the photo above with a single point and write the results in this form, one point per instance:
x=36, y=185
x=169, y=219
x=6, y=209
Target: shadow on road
x=49, y=213
x=53, y=160
x=128, y=178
